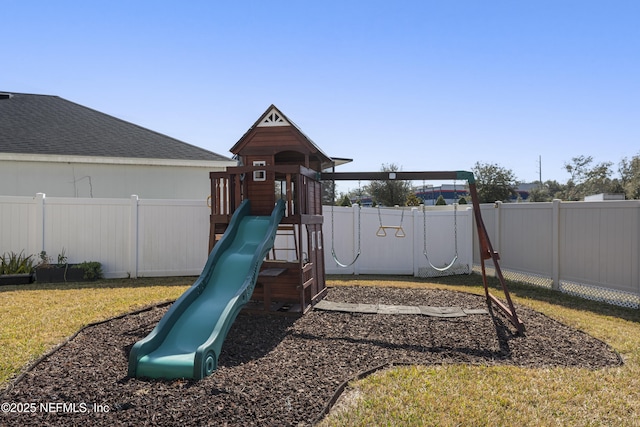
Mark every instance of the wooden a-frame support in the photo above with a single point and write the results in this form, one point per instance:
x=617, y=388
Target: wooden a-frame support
x=486, y=249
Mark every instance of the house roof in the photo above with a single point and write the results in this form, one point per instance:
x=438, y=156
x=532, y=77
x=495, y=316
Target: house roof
x=50, y=125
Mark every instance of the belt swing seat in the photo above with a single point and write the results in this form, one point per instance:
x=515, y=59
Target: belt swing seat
x=333, y=249
x=455, y=234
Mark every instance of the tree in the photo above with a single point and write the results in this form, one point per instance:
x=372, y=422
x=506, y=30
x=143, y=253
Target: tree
x=440, y=201
x=328, y=192
x=346, y=201
x=546, y=191
x=494, y=183
x=586, y=180
x=555, y=188
x=598, y=180
x=629, y=170
x=539, y=194
x=578, y=168
x=389, y=192
x=413, y=200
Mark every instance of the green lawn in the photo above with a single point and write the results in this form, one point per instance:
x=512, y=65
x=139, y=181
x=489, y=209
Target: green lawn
x=35, y=318
x=463, y=395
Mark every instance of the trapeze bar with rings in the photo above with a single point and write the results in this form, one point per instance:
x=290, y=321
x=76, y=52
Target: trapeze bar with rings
x=382, y=230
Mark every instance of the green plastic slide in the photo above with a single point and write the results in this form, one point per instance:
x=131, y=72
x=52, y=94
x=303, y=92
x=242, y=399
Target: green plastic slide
x=186, y=343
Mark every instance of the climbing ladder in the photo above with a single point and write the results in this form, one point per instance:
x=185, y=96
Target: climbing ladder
x=288, y=231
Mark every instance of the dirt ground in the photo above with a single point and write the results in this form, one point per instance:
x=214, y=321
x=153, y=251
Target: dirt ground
x=278, y=370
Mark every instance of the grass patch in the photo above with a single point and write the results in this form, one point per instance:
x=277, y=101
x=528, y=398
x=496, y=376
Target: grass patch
x=34, y=318
x=491, y=396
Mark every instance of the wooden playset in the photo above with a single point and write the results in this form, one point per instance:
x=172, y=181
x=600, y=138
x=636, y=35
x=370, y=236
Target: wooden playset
x=277, y=161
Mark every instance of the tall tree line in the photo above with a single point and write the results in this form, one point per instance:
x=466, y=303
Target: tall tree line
x=498, y=183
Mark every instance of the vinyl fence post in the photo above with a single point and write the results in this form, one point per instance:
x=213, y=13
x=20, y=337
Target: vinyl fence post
x=133, y=238
x=356, y=234
x=414, y=239
x=39, y=215
x=555, y=241
x=468, y=239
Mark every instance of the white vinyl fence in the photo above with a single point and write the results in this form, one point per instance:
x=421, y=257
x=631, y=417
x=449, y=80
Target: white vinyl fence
x=391, y=241
x=590, y=249
x=130, y=237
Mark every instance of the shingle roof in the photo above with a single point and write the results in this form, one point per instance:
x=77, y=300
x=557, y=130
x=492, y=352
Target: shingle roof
x=44, y=124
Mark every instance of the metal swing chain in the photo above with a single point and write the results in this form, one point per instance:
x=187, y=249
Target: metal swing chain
x=333, y=250
x=455, y=233
x=455, y=228
x=399, y=230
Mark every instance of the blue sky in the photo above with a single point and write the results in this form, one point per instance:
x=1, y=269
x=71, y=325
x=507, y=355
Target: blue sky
x=427, y=85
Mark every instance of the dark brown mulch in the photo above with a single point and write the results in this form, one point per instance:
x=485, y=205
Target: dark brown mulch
x=277, y=370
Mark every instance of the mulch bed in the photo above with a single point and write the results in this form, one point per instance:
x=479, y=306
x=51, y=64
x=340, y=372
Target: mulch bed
x=279, y=370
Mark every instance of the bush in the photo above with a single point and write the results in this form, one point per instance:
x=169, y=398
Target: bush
x=13, y=263
x=92, y=270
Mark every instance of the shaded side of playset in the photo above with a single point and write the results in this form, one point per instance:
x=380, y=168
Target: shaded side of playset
x=278, y=166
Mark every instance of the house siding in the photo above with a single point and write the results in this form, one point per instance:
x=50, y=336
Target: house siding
x=25, y=178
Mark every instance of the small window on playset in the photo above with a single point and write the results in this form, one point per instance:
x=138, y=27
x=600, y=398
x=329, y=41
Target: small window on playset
x=260, y=175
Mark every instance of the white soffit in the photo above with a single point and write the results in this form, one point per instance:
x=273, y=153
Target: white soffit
x=54, y=158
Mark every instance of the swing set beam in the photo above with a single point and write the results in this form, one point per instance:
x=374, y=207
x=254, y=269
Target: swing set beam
x=486, y=248
x=400, y=175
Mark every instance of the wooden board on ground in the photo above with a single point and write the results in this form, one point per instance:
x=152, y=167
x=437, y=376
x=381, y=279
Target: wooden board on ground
x=397, y=309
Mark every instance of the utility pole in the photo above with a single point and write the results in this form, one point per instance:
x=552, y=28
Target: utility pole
x=540, y=170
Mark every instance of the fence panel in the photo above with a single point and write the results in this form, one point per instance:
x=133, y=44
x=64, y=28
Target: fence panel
x=173, y=237
x=87, y=229
x=341, y=230
x=386, y=249
x=448, y=235
x=130, y=237
x=525, y=237
x=591, y=249
x=599, y=244
x=18, y=231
